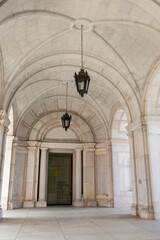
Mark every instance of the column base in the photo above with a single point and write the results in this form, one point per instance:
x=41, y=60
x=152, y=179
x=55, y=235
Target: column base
x=78, y=203
x=107, y=204
x=146, y=212
x=28, y=204
x=16, y=203
x=1, y=212
x=103, y=201
x=10, y=205
x=41, y=204
x=90, y=203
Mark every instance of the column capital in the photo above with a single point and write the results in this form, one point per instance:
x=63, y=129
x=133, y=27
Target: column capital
x=89, y=147
x=15, y=141
x=44, y=149
x=78, y=149
x=4, y=120
x=31, y=148
x=32, y=143
x=139, y=124
x=130, y=134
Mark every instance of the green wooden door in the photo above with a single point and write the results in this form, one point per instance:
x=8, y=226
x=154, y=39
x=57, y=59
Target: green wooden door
x=59, y=179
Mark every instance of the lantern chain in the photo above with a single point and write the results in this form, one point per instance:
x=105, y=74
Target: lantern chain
x=81, y=46
x=66, y=95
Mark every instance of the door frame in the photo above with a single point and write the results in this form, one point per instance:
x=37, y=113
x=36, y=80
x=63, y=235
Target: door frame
x=61, y=151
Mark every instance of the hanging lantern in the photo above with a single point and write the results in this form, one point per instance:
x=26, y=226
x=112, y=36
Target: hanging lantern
x=66, y=118
x=82, y=82
x=82, y=79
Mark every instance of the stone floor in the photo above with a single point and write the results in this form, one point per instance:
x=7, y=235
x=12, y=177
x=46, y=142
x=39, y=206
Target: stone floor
x=68, y=223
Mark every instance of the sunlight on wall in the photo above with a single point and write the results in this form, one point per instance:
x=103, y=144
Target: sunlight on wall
x=7, y=163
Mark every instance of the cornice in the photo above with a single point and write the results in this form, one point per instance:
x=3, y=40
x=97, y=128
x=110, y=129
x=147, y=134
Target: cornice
x=149, y=120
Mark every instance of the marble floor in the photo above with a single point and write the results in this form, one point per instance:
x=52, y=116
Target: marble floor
x=68, y=223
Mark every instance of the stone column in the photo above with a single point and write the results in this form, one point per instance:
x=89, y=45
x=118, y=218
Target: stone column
x=134, y=207
x=37, y=171
x=10, y=200
x=6, y=171
x=4, y=123
x=30, y=179
x=153, y=132
x=145, y=203
x=89, y=196
x=42, y=201
x=78, y=179
x=110, y=174
x=104, y=175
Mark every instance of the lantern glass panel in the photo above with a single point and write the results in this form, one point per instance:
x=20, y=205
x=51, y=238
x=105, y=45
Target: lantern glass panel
x=81, y=85
x=66, y=122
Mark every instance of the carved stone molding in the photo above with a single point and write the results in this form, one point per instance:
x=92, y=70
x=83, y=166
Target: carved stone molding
x=4, y=120
x=136, y=125
x=119, y=141
x=101, y=151
x=152, y=120
x=103, y=148
x=33, y=143
x=89, y=146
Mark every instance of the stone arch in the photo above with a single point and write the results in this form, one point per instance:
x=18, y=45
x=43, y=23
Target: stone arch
x=80, y=129
x=88, y=108
x=152, y=93
x=115, y=86
x=88, y=120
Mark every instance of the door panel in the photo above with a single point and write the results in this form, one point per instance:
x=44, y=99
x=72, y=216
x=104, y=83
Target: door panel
x=59, y=179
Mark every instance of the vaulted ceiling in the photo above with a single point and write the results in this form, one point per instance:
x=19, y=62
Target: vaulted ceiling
x=40, y=51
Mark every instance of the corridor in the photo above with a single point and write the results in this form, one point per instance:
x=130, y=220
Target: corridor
x=69, y=223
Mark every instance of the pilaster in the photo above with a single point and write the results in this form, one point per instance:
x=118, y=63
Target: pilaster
x=10, y=200
x=153, y=134
x=30, y=179
x=104, y=174
x=4, y=123
x=6, y=171
x=78, y=188
x=42, y=202
x=89, y=196
x=134, y=207
x=110, y=174
x=140, y=161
